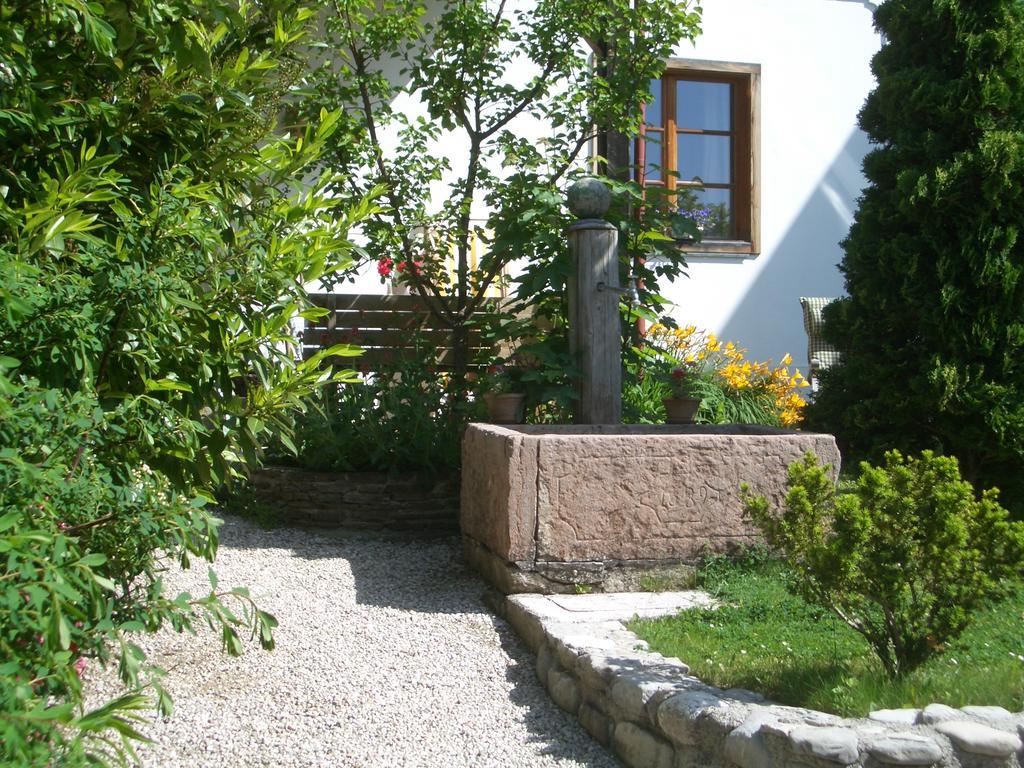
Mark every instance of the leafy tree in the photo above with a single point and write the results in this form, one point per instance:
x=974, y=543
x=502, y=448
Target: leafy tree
x=932, y=334
x=154, y=244
x=482, y=71
x=904, y=555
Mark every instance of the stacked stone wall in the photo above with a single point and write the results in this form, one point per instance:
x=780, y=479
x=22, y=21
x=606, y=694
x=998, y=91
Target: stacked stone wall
x=370, y=501
x=653, y=714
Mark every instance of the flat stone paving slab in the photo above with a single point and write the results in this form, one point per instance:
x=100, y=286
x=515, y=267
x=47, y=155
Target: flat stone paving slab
x=623, y=606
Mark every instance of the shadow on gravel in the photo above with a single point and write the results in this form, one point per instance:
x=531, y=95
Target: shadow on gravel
x=391, y=570
x=547, y=730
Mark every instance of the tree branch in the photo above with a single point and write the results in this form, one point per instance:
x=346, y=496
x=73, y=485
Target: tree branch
x=519, y=108
x=433, y=298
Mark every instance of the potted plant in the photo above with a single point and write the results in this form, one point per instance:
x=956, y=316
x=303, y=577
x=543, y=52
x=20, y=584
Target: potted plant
x=502, y=392
x=681, y=407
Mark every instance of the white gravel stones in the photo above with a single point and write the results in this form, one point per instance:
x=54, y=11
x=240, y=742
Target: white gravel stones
x=385, y=656
x=979, y=739
x=904, y=749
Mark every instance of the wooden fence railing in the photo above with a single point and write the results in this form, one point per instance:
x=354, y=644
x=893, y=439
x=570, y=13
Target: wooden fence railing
x=389, y=328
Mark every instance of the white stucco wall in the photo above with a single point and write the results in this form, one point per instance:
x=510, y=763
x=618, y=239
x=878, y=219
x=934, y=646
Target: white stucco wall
x=815, y=74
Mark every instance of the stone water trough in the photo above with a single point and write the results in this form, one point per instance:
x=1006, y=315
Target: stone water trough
x=615, y=508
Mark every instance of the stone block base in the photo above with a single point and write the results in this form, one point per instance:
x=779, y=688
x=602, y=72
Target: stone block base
x=556, y=508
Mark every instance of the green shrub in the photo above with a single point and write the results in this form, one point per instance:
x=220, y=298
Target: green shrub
x=932, y=334
x=155, y=238
x=399, y=419
x=78, y=537
x=904, y=556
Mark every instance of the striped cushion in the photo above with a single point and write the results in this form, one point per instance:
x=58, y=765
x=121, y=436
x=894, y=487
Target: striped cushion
x=820, y=354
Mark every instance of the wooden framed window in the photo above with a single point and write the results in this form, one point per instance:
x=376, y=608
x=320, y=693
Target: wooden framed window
x=700, y=142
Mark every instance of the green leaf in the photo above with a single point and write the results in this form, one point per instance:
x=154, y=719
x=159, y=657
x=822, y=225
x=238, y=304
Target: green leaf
x=161, y=385
x=104, y=582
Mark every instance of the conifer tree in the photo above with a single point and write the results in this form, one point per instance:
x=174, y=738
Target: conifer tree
x=932, y=334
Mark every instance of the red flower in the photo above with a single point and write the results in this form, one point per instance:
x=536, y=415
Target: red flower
x=385, y=266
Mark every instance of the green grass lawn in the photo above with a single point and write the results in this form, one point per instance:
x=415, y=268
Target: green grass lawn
x=764, y=639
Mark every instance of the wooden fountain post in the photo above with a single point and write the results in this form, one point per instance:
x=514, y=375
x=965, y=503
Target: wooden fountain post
x=594, y=325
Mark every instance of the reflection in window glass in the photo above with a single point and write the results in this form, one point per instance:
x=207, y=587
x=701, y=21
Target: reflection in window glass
x=652, y=111
x=708, y=158
x=711, y=209
x=703, y=106
x=652, y=155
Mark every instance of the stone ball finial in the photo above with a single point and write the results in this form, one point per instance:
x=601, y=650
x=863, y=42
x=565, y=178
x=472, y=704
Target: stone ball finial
x=588, y=198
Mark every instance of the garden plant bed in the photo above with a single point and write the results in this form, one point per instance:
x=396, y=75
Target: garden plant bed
x=654, y=714
x=559, y=508
x=371, y=501
x=764, y=638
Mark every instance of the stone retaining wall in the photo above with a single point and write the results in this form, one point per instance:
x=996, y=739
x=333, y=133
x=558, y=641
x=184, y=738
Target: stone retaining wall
x=372, y=501
x=653, y=714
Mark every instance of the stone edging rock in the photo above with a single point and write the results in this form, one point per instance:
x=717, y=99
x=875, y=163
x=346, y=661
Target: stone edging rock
x=654, y=714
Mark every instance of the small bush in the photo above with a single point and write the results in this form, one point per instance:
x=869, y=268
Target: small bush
x=904, y=556
x=400, y=419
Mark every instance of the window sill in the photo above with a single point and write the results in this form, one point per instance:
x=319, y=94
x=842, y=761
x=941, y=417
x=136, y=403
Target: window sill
x=719, y=247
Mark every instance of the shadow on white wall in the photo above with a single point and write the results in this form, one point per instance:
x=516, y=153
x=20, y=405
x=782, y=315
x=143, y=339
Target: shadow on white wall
x=804, y=262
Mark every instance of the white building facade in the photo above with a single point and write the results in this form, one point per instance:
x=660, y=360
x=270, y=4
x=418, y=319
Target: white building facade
x=812, y=59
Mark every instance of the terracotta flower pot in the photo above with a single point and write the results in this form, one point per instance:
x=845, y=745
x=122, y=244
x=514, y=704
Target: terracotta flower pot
x=680, y=410
x=504, y=408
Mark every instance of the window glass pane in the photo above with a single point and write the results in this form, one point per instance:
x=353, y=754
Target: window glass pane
x=704, y=106
x=711, y=209
x=652, y=111
x=652, y=155
x=708, y=158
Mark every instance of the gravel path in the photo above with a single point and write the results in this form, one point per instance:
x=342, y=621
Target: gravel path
x=386, y=656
